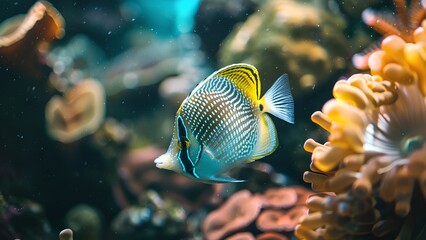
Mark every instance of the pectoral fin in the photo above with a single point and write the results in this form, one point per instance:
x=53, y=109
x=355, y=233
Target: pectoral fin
x=267, y=141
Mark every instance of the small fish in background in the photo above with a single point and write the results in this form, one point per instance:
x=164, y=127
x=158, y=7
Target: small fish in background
x=223, y=123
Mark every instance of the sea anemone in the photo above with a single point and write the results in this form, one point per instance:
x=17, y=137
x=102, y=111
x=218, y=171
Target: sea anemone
x=375, y=152
x=402, y=24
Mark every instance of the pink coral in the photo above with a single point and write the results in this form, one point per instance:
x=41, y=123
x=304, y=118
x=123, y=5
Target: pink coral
x=279, y=220
x=275, y=212
x=279, y=197
x=238, y=212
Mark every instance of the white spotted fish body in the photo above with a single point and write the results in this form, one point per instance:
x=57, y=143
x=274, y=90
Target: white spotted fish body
x=223, y=123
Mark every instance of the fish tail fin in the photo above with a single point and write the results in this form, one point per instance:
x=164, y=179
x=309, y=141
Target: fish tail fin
x=278, y=100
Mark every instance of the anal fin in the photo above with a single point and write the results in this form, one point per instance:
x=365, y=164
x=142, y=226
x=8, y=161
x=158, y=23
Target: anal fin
x=221, y=179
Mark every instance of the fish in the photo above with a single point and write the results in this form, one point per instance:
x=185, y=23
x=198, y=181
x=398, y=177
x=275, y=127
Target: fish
x=224, y=123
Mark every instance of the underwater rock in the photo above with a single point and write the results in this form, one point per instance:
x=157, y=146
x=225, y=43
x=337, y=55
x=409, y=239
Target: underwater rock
x=22, y=219
x=277, y=39
x=25, y=39
x=78, y=113
x=85, y=222
x=153, y=218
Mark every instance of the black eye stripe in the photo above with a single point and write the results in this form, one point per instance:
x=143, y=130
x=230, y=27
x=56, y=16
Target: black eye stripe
x=181, y=128
x=188, y=165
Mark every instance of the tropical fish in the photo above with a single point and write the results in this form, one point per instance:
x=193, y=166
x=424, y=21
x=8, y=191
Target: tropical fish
x=223, y=123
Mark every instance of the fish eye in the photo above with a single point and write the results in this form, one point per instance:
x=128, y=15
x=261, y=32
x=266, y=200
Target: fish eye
x=181, y=144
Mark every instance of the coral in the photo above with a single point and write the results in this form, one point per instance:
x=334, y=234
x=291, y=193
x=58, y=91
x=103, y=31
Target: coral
x=78, y=113
x=373, y=161
x=279, y=197
x=241, y=236
x=274, y=214
x=403, y=24
x=275, y=220
x=28, y=37
x=271, y=236
x=238, y=212
x=277, y=39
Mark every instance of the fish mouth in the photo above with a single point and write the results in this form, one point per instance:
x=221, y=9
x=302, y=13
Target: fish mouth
x=164, y=161
x=159, y=161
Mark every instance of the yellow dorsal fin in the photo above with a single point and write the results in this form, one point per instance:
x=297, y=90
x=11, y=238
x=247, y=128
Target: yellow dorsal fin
x=244, y=76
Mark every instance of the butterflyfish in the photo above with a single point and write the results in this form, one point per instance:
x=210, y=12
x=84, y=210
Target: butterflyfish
x=224, y=123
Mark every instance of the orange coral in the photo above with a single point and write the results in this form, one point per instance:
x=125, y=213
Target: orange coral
x=376, y=147
x=26, y=37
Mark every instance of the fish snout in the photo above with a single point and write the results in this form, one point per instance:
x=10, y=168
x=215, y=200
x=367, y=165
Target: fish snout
x=164, y=161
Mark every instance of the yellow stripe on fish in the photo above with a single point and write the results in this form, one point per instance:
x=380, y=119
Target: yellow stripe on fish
x=223, y=123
